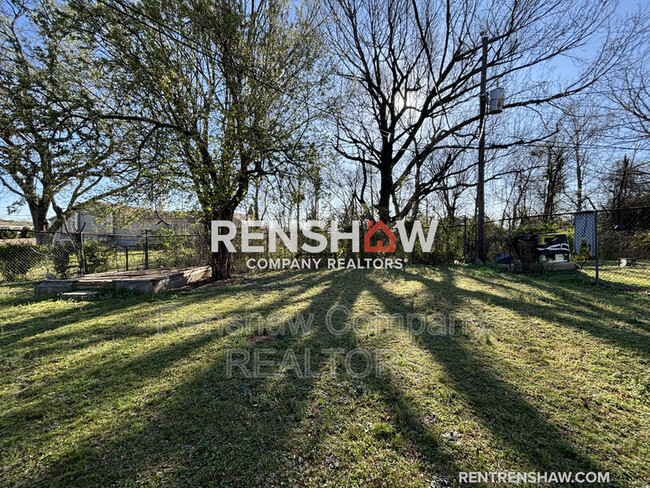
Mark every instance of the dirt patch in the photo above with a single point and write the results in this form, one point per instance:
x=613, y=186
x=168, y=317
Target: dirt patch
x=262, y=340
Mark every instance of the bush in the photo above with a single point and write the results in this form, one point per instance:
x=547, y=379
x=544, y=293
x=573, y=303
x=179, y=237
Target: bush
x=175, y=250
x=27, y=233
x=17, y=259
x=641, y=244
x=97, y=255
x=9, y=234
x=61, y=257
x=447, y=246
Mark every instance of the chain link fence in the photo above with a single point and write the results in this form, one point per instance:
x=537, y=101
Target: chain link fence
x=610, y=247
x=61, y=255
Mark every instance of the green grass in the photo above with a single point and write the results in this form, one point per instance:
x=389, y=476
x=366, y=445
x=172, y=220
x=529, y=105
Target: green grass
x=538, y=373
x=637, y=277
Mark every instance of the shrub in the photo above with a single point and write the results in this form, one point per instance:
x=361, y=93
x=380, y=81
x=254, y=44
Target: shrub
x=9, y=234
x=175, y=250
x=27, y=233
x=61, y=257
x=17, y=259
x=641, y=244
x=447, y=246
x=97, y=255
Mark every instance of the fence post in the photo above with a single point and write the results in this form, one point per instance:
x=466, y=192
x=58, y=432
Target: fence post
x=146, y=249
x=510, y=237
x=126, y=254
x=596, y=250
x=465, y=238
x=82, y=254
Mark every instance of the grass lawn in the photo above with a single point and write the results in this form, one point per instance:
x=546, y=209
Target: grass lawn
x=512, y=372
x=636, y=277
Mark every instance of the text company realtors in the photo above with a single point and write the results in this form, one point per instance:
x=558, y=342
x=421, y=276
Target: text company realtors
x=257, y=238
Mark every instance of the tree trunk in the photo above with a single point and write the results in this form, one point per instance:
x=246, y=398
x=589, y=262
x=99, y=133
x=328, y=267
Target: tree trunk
x=579, y=192
x=385, y=193
x=38, y=211
x=220, y=261
x=256, y=201
x=221, y=264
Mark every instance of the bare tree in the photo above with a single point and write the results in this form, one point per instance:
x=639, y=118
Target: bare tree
x=520, y=204
x=582, y=129
x=629, y=86
x=634, y=100
x=553, y=179
x=457, y=185
x=410, y=78
x=627, y=184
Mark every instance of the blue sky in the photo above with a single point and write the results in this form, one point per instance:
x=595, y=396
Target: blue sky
x=565, y=68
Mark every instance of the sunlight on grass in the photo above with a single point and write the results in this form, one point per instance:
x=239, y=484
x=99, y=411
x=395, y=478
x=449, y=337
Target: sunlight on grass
x=520, y=372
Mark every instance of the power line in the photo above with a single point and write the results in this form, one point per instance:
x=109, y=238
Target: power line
x=569, y=146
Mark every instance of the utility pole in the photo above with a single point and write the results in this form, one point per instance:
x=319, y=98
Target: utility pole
x=480, y=191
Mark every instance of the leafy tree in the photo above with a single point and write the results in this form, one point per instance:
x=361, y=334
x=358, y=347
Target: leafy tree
x=224, y=83
x=54, y=151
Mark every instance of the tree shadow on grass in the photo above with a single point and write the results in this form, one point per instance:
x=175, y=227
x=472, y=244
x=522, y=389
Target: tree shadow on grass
x=501, y=406
x=571, y=289
x=14, y=331
x=111, y=371
x=578, y=312
x=209, y=429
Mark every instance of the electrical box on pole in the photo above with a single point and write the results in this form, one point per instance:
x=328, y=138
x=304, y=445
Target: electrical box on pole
x=497, y=98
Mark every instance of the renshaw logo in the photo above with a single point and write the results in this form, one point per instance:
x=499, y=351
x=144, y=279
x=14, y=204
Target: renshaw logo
x=254, y=233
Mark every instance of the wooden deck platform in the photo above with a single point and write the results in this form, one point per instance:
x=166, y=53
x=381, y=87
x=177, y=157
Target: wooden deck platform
x=143, y=281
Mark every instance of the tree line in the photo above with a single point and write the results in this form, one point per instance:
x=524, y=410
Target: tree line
x=290, y=110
